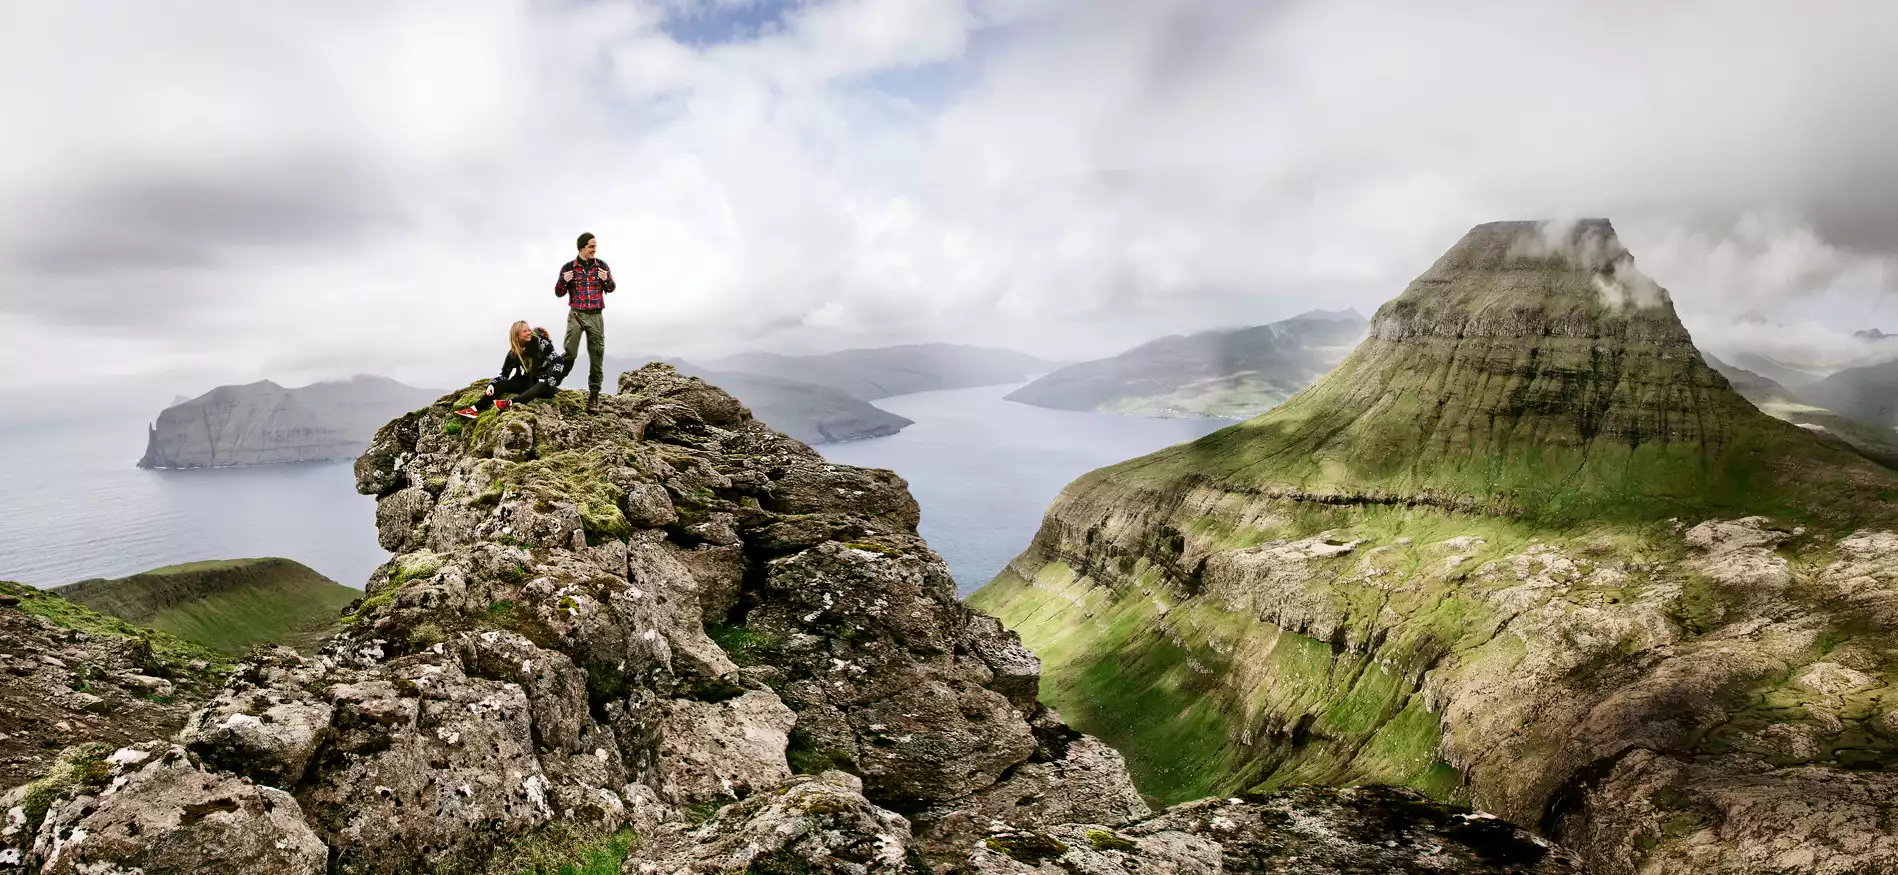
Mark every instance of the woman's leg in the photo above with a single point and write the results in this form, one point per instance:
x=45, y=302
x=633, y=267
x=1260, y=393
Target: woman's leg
x=539, y=390
x=511, y=384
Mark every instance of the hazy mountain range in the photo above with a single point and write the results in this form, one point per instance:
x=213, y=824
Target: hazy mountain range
x=1230, y=373
x=870, y=374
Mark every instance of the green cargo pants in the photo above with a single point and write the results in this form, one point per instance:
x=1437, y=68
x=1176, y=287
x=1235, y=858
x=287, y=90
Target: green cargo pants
x=592, y=323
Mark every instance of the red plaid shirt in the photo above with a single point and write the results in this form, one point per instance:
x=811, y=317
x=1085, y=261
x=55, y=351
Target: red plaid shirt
x=586, y=291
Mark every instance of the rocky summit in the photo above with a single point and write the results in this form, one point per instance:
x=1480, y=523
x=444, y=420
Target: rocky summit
x=1523, y=549
x=667, y=639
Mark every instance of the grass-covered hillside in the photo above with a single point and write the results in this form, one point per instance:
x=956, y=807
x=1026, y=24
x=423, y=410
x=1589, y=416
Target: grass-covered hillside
x=1523, y=549
x=228, y=605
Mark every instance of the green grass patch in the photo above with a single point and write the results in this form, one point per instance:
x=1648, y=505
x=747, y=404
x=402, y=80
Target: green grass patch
x=745, y=646
x=563, y=850
x=168, y=652
x=578, y=477
x=228, y=605
x=84, y=765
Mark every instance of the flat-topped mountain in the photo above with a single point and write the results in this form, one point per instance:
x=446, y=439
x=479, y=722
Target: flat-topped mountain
x=1530, y=376
x=263, y=423
x=664, y=638
x=870, y=374
x=1234, y=373
x=227, y=605
x=1524, y=548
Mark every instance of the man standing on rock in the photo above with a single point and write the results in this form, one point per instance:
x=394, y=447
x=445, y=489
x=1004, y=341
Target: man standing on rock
x=585, y=282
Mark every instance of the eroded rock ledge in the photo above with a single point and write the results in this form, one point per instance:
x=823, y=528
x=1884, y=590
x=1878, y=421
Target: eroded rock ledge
x=669, y=624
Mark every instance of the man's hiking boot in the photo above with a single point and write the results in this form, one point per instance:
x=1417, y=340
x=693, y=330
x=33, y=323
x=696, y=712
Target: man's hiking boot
x=468, y=413
x=503, y=404
x=593, y=401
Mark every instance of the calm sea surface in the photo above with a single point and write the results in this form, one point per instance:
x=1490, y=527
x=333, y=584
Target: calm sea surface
x=73, y=507
x=985, y=469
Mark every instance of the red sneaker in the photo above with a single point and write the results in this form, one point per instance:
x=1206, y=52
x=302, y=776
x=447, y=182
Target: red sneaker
x=503, y=404
x=468, y=413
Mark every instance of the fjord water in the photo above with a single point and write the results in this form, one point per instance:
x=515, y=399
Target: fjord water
x=985, y=470
x=74, y=507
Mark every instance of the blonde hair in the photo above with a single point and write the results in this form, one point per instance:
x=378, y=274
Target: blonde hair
x=514, y=343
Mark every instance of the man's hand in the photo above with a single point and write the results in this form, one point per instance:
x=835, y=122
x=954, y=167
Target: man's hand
x=490, y=391
x=603, y=275
x=566, y=276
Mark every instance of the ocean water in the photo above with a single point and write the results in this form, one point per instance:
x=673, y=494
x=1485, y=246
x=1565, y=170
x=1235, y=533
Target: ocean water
x=984, y=469
x=73, y=506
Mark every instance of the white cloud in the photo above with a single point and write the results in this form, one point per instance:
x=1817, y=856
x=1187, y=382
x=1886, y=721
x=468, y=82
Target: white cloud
x=316, y=190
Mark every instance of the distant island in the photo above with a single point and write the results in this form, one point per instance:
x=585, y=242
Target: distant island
x=1230, y=373
x=818, y=399
x=263, y=423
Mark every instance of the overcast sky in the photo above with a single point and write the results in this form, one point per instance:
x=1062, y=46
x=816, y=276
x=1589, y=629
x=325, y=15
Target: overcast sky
x=243, y=189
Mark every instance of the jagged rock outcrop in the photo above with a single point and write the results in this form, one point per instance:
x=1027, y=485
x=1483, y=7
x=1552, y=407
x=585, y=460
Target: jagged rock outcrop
x=70, y=676
x=1233, y=373
x=770, y=668
x=1523, y=549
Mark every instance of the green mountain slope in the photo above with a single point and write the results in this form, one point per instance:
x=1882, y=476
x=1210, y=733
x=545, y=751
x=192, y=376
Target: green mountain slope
x=227, y=605
x=1526, y=377
x=1522, y=549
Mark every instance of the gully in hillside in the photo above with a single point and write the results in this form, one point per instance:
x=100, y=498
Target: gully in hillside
x=532, y=370
x=585, y=283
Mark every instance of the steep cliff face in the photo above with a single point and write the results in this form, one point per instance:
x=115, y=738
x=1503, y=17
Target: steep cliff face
x=668, y=636
x=263, y=423
x=256, y=424
x=1523, y=548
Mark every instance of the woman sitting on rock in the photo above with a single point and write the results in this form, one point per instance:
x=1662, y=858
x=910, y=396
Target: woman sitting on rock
x=531, y=370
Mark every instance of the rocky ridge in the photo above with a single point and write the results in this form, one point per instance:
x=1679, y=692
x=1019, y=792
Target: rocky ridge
x=1524, y=550
x=72, y=678
x=669, y=627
